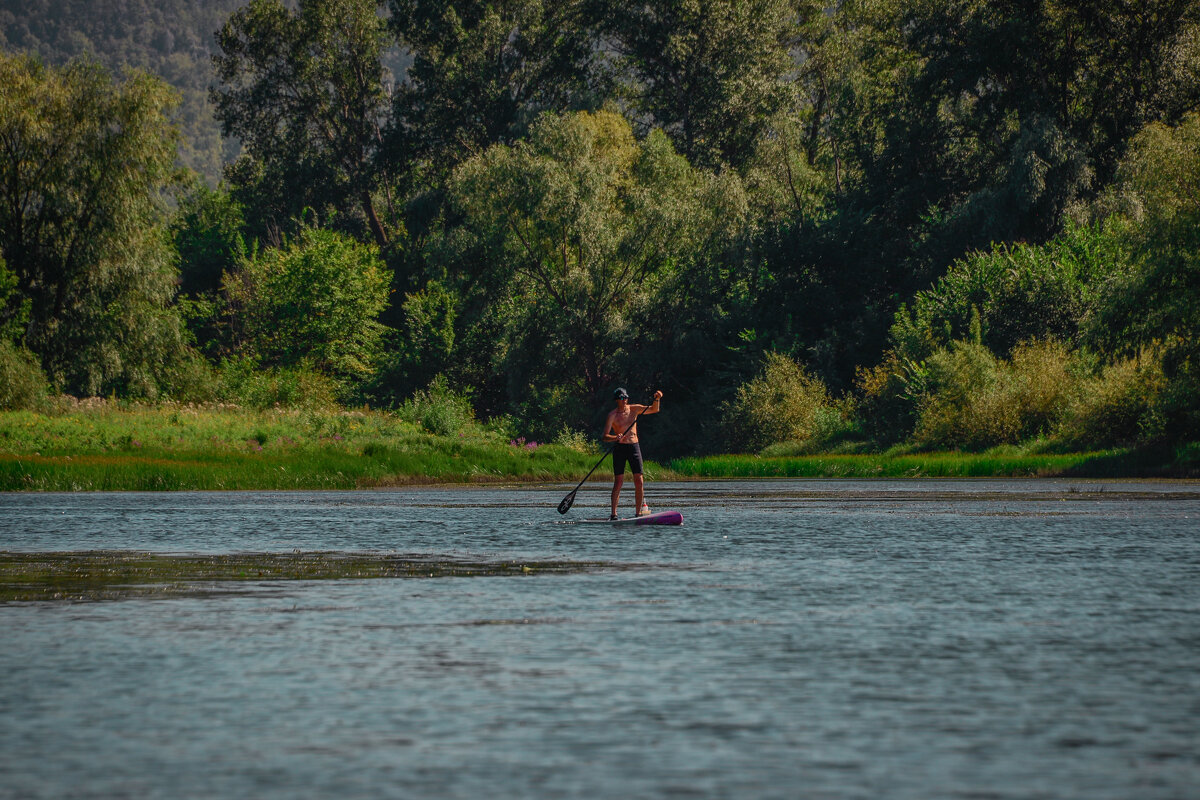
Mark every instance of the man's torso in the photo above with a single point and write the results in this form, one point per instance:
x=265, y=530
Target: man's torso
x=618, y=421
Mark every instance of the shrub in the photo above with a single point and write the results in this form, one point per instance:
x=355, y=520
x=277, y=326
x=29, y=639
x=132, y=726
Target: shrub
x=576, y=441
x=778, y=405
x=192, y=380
x=1038, y=382
x=439, y=409
x=890, y=393
x=543, y=411
x=244, y=382
x=312, y=304
x=1017, y=292
x=1117, y=406
x=975, y=401
x=836, y=429
x=960, y=407
x=23, y=385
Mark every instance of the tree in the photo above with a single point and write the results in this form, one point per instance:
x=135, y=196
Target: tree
x=14, y=309
x=84, y=163
x=314, y=301
x=1020, y=108
x=583, y=222
x=168, y=38
x=1157, y=301
x=207, y=233
x=710, y=74
x=305, y=92
x=953, y=126
x=483, y=70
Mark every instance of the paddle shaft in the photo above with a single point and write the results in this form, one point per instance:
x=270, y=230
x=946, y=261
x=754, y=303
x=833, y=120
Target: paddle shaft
x=569, y=500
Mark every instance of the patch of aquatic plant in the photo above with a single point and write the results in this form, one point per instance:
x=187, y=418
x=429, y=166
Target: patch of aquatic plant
x=100, y=575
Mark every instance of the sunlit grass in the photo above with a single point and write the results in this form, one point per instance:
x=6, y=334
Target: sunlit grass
x=1114, y=463
x=102, y=446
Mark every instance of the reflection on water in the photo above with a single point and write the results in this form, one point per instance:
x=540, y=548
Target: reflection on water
x=802, y=638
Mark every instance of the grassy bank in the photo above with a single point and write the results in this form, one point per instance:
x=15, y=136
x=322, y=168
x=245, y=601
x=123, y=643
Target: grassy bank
x=104, y=446
x=999, y=462
x=96, y=445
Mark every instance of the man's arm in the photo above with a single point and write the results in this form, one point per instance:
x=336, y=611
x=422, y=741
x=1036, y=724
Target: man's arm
x=653, y=407
x=610, y=434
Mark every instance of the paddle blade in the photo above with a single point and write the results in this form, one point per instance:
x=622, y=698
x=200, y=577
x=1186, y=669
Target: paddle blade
x=566, y=503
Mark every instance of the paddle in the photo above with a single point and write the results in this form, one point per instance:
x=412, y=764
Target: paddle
x=569, y=500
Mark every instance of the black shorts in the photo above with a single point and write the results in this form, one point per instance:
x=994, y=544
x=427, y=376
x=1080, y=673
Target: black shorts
x=627, y=452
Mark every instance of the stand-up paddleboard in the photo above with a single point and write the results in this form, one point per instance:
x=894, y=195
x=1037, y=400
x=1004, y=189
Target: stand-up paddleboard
x=657, y=518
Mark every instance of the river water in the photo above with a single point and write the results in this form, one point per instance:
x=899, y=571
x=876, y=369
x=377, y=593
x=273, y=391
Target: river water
x=815, y=639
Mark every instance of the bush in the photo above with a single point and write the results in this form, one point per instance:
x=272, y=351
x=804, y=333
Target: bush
x=960, y=407
x=975, y=401
x=1039, y=380
x=890, y=394
x=836, y=429
x=192, y=380
x=780, y=404
x=244, y=382
x=1016, y=292
x=440, y=410
x=1119, y=406
x=575, y=441
x=313, y=304
x=23, y=385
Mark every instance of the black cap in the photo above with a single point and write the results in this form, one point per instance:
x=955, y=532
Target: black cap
x=620, y=393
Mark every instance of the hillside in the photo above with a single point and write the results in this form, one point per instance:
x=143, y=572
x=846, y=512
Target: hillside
x=170, y=38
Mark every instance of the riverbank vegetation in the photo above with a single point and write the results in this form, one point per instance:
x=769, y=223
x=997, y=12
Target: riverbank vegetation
x=97, y=445
x=850, y=235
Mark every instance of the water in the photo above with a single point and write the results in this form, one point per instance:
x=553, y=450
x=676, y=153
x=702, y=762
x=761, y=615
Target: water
x=818, y=639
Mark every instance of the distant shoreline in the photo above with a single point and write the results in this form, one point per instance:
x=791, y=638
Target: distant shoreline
x=108, y=447
x=342, y=470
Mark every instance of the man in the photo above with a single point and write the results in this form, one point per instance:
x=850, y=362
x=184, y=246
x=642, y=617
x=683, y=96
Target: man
x=621, y=428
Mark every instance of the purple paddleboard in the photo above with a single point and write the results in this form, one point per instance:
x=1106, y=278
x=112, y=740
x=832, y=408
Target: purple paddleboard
x=658, y=518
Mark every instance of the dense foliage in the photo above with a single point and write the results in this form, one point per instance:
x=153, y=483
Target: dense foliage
x=949, y=225
x=169, y=38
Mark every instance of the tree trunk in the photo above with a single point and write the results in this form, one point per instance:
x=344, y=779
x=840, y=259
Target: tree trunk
x=373, y=219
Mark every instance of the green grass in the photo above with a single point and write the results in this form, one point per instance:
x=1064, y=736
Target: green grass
x=1000, y=462
x=106, y=446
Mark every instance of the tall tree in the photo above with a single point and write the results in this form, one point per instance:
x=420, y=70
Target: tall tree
x=84, y=162
x=483, y=70
x=1157, y=302
x=586, y=222
x=1022, y=107
x=305, y=92
x=709, y=73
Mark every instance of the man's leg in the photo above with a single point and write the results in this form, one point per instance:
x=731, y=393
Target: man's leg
x=639, y=493
x=616, y=492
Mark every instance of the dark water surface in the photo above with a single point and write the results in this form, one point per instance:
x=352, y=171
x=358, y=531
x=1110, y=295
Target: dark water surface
x=807, y=639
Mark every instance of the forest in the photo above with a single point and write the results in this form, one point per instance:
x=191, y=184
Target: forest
x=834, y=227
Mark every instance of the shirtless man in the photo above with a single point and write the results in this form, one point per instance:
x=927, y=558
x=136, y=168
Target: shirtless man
x=621, y=428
